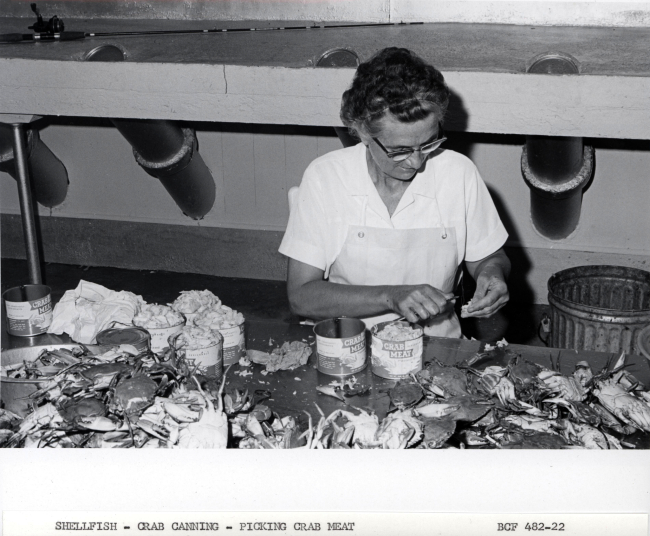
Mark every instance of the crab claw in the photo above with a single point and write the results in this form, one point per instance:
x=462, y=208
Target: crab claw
x=180, y=412
x=331, y=391
x=438, y=391
x=98, y=423
x=436, y=410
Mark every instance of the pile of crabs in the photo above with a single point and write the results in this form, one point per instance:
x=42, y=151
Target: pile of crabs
x=125, y=399
x=523, y=405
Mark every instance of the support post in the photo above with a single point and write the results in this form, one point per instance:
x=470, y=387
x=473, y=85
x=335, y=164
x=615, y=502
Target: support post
x=26, y=204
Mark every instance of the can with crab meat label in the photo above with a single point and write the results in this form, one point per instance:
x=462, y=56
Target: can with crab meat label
x=341, y=346
x=396, y=349
x=234, y=344
x=135, y=336
x=160, y=336
x=208, y=359
x=29, y=310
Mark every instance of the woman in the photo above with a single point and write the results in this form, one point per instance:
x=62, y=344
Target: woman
x=379, y=230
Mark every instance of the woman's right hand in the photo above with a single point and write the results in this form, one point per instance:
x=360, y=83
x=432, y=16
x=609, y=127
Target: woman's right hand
x=419, y=302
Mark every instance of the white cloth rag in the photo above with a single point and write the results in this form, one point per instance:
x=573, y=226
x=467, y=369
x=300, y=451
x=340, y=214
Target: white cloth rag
x=90, y=308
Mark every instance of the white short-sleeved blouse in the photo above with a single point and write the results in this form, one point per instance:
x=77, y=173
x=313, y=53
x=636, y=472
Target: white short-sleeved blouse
x=336, y=191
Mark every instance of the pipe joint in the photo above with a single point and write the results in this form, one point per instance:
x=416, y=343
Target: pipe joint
x=7, y=150
x=177, y=163
x=563, y=189
x=49, y=178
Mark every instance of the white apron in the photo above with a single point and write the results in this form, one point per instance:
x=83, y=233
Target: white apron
x=375, y=256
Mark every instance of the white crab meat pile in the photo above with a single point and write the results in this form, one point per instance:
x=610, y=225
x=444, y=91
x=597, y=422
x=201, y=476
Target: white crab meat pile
x=195, y=301
x=157, y=316
x=202, y=308
x=398, y=332
x=289, y=356
x=197, y=338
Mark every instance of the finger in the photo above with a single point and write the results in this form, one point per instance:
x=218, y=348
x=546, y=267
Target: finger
x=410, y=315
x=434, y=301
x=481, y=302
x=487, y=312
x=488, y=305
x=430, y=308
x=422, y=310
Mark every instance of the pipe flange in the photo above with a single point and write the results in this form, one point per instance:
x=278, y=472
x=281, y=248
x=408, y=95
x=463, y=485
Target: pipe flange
x=565, y=188
x=337, y=57
x=32, y=139
x=176, y=163
x=553, y=62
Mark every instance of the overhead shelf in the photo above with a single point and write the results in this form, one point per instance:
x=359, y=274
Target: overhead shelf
x=269, y=76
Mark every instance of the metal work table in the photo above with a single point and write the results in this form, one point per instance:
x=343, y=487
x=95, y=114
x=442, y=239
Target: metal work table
x=294, y=391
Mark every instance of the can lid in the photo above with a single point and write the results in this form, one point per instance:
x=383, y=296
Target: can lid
x=122, y=336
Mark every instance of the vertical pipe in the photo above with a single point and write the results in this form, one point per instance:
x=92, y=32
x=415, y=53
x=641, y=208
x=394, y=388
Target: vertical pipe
x=556, y=168
x=26, y=205
x=340, y=57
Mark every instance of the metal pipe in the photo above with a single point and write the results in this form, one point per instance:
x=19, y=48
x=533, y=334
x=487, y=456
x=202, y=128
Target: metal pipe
x=48, y=174
x=555, y=168
x=167, y=152
x=26, y=204
x=336, y=58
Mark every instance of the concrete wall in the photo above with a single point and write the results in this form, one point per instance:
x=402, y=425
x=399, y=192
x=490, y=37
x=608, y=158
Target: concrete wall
x=538, y=12
x=254, y=166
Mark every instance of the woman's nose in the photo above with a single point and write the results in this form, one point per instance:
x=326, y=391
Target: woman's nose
x=417, y=158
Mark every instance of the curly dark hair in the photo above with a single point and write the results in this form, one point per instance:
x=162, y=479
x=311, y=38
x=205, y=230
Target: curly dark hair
x=394, y=80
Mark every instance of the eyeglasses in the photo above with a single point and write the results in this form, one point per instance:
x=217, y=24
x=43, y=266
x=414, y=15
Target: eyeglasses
x=403, y=154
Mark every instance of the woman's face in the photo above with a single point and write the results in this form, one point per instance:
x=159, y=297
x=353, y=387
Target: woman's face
x=394, y=136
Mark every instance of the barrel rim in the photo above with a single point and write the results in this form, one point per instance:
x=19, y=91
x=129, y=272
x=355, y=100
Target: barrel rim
x=591, y=271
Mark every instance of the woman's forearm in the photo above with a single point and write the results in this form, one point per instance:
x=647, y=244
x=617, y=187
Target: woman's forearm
x=312, y=296
x=322, y=299
x=497, y=264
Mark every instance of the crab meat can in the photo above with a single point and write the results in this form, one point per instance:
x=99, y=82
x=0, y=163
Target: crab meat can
x=29, y=310
x=234, y=344
x=396, y=352
x=137, y=337
x=160, y=336
x=208, y=360
x=341, y=346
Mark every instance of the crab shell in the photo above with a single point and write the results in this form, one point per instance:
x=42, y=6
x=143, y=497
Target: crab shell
x=583, y=373
x=610, y=422
x=406, y=393
x=527, y=439
x=438, y=377
x=399, y=430
x=623, y=405
x=132, y=395
x=523, y=373
x=529, y=422
x=209, y=432
x=585, y=436
x=85, y=407
x=567, y=387
x=437, y=431
x=365, y=425
x=102, y=374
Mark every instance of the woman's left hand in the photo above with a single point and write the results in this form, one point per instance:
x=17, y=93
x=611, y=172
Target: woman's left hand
x=491, y=288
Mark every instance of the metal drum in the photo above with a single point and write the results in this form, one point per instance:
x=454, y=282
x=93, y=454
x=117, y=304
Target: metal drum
x=599, y=308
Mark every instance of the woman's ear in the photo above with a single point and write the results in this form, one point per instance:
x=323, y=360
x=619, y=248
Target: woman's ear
x=362, y=135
